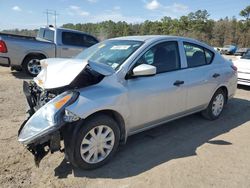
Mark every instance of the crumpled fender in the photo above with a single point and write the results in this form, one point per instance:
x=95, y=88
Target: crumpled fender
x=110, y=96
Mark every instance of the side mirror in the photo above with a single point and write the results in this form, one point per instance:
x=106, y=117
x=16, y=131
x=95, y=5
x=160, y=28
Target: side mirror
x=144, y=70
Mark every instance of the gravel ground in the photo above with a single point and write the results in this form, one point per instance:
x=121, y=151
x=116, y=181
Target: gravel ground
x=189, y=152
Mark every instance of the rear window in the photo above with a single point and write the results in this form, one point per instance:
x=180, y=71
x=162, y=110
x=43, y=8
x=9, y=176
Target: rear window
x=77, y=39
x=197, y=55
x=49, y=35
x=46, y=34
x=40, y=33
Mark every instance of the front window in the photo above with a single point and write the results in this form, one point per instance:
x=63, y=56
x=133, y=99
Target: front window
x=164, y=56
x=110, y=52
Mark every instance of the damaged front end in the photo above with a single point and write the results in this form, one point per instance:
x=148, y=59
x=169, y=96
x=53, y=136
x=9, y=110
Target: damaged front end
x=40, y=133
x=36, y=96
x=48, y=94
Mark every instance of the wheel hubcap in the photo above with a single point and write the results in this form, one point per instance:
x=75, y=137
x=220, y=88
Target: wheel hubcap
x=218, y=104
x=34, y=66
x=97, y=144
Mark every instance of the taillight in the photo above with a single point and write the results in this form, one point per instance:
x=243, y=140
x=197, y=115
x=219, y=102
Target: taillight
x=234, y=67
x=3, y=47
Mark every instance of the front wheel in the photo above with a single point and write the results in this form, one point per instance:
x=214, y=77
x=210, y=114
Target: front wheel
x=96, y=142
x=215, y=106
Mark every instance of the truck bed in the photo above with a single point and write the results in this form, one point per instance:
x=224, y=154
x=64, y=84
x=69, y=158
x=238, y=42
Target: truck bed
x=18, y=36
x=18, y=47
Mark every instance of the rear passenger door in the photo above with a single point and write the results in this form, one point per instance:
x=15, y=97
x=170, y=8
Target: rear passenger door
x=200, y=80
x=74, y=43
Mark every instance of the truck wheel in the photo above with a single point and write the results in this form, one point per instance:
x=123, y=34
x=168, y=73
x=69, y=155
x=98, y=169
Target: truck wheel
x=215, y=106
x=31, y=65
x=95, y=143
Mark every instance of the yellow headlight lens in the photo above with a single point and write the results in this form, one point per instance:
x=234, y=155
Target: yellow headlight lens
x=62, y=102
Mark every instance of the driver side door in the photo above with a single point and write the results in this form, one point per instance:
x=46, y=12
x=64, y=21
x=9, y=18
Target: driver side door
x=157, y=98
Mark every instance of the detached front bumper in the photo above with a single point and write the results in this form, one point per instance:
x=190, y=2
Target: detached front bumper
x=41, y=132
x=35, y=133
x=40, y=145
x=50, y=143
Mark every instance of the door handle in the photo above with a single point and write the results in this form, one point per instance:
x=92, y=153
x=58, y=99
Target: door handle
x=178, y=82
x=216, y=75
x=65, y=48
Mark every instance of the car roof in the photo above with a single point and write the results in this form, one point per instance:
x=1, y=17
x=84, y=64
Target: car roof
x=153, y=38
x=144, y=38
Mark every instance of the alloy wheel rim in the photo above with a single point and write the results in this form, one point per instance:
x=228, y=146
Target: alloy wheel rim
x=218, y=104
x=97, y=144
x=34, y=66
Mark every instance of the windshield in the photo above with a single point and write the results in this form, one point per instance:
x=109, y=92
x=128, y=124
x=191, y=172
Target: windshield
x=246, y=55
x=110, y=52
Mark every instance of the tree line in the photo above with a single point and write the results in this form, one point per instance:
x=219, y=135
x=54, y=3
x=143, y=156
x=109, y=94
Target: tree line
x=196, y=25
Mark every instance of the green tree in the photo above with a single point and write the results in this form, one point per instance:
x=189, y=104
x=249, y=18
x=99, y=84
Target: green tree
x=245, y=12
x=196, y=25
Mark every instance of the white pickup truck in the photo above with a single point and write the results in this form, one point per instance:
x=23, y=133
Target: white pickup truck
x=25, y=53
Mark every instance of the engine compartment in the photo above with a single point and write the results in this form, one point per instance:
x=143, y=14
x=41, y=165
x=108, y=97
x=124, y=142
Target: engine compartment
x=38, y=97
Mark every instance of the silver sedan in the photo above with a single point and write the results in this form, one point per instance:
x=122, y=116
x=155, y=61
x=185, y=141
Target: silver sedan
x=120, y=87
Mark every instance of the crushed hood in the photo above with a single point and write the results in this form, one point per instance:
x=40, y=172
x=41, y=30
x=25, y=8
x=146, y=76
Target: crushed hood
x=59, y=72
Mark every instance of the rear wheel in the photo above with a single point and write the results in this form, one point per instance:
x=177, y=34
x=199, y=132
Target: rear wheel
x=215, y=106
x=31, y=65
x=96, y=142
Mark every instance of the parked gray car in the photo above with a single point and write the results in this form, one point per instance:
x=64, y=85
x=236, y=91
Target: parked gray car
x=21, y=52
x=241, y=51
x=118, y=88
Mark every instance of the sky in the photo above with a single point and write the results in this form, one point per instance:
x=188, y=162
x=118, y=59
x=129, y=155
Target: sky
x=30, y=14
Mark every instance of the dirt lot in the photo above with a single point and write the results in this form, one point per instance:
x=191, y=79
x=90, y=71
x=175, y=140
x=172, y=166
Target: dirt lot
x=190, y=152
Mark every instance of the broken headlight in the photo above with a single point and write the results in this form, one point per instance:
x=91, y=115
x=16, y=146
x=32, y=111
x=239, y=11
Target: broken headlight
x=47, y=119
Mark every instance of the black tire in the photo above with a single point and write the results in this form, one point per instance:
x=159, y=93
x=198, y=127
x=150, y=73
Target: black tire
x=26, y=62
x=208, y=112
x=75, y=157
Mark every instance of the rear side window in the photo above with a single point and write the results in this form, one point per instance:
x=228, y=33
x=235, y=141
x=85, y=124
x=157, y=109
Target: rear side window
x=77, y=39
x=197, y=55
x=209, y=56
